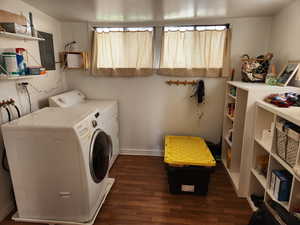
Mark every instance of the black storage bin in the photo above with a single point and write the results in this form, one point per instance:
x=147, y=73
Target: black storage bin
x=188, y=179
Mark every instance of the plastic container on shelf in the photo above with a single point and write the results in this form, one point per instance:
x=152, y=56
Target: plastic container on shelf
x=10, y=63
x=189, y=164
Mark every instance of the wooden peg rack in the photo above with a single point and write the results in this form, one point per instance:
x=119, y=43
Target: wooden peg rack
x=178, y=82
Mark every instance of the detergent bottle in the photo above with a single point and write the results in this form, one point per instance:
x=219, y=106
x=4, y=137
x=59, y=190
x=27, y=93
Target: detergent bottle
x=20, y=61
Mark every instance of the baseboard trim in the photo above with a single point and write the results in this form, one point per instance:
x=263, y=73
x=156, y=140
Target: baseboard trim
x=144, y=152
x=6, y=210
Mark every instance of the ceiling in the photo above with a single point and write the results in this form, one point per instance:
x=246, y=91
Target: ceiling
x=155, y=10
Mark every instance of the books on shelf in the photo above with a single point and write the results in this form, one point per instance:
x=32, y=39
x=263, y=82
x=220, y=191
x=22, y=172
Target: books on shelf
x=280, y=185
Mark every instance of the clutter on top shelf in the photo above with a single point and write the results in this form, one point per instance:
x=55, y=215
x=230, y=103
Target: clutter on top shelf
x=284, y=100
x=11, y=23
x=288, y=72
x=8, y=17
x=287, y=141
x=255, y=69
x=271, y=79
x=13, y=63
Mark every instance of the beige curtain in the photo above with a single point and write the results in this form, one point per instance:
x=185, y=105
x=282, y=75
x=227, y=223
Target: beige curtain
x=196, y=53
x=122, y=53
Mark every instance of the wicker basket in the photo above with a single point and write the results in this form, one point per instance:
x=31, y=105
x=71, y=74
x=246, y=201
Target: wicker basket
x=287, y=144
x=281, y=140
x=292, y=147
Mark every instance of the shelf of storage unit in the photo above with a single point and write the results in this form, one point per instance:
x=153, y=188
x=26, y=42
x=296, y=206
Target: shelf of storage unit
x=264, y=145
x=19, y=36
x=230, y=117
x=232, y=96
x=266, y=116
x=283, y=204
x=12, y=77
x=283, y=164
x=261, y=179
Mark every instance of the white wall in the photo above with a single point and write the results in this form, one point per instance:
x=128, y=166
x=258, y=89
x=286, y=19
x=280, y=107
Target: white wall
x=49, y=85
x=149, y=108
x=285, y=35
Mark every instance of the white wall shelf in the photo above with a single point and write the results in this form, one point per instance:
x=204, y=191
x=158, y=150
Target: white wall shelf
x=243, y=134
x=19, y=36
x=13, y=77
x=265, y=118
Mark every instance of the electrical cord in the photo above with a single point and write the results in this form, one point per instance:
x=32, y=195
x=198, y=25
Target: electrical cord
x=29, y=98
x=4, y=158
x=8, y=113
x=4, y=161
x=18, y=110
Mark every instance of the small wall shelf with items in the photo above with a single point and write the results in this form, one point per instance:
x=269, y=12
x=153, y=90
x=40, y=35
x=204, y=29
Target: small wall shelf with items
x=276, y=157
x=11, y=77
x=74, y=60
x=239, y=137
x=14, y=65
x=19, y=36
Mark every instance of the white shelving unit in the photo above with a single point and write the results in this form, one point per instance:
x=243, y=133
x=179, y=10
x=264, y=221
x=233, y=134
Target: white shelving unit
x=265, y=145
x=240, y=148
x=19, y=36
x=13, y=77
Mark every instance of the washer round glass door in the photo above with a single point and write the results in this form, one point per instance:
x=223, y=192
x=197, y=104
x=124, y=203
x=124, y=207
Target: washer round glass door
x=100, y=151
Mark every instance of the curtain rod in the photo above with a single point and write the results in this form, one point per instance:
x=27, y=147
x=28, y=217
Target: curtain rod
x=227, y=25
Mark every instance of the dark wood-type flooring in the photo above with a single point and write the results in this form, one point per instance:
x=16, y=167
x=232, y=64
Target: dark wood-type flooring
x=140, y=197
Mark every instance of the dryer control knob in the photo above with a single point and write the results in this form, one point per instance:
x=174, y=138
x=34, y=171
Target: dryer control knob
x=94, y=123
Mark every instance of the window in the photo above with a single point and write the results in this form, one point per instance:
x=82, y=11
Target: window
x=123, y=51
x=195, y=51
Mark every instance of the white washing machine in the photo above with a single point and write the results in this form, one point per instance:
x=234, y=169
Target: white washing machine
x=108, y=110
x=58, y=160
